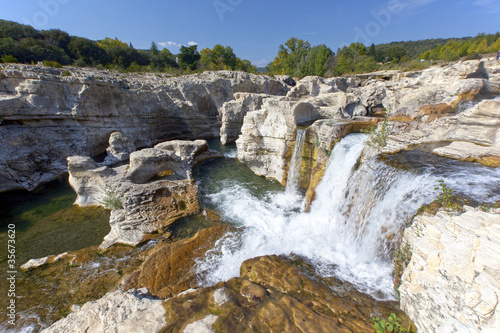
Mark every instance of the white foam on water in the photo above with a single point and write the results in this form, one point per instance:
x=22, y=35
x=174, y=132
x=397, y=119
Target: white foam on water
x=354, y=223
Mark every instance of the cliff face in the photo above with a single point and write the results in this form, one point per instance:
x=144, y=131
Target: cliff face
x=46, y=117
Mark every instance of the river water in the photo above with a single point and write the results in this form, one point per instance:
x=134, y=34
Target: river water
x=353, y=225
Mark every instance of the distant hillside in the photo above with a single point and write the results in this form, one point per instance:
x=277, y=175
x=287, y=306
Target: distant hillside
x=23, y=43
x=416, y=48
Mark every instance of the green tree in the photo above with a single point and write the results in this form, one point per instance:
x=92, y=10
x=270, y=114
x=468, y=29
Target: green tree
x=88, y=51
x=189, y=57
x=316, y=61
x=289, y=57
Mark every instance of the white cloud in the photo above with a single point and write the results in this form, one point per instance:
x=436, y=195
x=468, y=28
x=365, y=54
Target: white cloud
x=174, y=44
x=169, y=43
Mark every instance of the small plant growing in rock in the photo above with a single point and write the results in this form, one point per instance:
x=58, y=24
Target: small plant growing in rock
x=445, y=196
x=377, y=137
x=392, y=324
x=66, y=73
x=402, y=257
x=111, y=200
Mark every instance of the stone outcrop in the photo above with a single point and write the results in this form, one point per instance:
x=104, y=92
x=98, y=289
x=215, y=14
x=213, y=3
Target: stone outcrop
x=452, y=283
x=279, y=295
x=474, y=134
x=119, y=148
x=118, y=311
x=168, y=270
x=147, y=195
x=46, y=117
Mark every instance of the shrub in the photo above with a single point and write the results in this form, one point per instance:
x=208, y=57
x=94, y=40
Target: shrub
x=52, y=64
x=111, y=200
x=474, y=56
x=402, y=258
x=445, y=196
x=377, y=137
x=66, y=73
x=9, y=59
x=392, y=324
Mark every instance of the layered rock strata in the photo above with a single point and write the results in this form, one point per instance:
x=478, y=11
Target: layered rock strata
x=46, y=116
x=452, y=283
x=146, y=196
x=118, y=311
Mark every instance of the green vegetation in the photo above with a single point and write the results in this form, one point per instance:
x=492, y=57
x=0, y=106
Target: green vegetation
x=470, y=48
x=56, y=48
x=392, y=324
x=445, y=196
x=402, y=257
x=296, y=57
x=377, y=136
x=9, y=59
x=111, y=200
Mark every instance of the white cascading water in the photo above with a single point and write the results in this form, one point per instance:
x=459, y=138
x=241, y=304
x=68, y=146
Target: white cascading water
x=292, y=184
x=352, y=227
x=292, y=198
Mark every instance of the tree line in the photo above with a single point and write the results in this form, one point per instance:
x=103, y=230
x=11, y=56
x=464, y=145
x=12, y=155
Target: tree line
x=24, y=44
x=296, y=57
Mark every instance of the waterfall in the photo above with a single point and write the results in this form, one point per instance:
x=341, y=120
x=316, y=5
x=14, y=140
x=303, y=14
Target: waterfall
x=292, y=184
x=354, y=223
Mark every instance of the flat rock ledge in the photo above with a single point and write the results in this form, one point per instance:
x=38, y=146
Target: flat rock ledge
x=131, y=311
x=452, y=283
x=147, y=195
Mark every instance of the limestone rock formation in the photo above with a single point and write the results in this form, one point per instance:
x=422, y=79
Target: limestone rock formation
x=452, y=283
x=168, y=270
x=46, y=117
x=140, y=207
x=279, y=295
x=474, y=134
x=233, y=112
x=266, y=135
x=118, y=311
x=119, y=148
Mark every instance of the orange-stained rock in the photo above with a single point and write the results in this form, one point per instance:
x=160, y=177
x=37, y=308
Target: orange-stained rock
x=277, y=294
x=168, y=270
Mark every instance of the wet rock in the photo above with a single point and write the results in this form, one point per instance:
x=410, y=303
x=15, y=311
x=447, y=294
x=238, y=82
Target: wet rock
x=452, y=282
x=276, y=294
x=168, y=270
x=35, y=263
x=118, y=311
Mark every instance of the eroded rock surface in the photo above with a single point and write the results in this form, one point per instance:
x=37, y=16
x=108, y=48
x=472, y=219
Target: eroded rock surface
x=46, y=117
x=168, y=270
x=140, y=203
x=452, y=283
x=118, y=311
x=275, y=294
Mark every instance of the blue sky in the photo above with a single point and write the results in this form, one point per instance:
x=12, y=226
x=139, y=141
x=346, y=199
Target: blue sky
x=256, y=28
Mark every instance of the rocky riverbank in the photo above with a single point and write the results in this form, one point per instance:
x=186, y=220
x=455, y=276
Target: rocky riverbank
x=48, y=118
x=48, y=114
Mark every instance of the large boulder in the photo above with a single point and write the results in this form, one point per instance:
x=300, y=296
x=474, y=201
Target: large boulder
x=118, y=311
x=146, y=196
x=452, y=283
x=168, y=270
x=276, y=294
